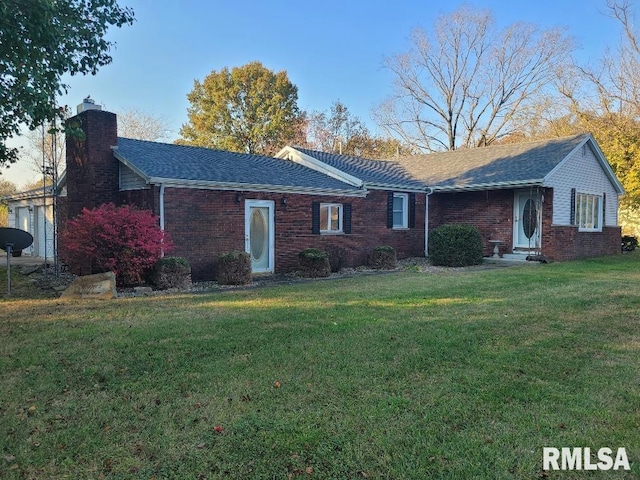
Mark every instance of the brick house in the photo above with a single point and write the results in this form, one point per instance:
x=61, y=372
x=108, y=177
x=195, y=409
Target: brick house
x=212, y=202
x=558, y=198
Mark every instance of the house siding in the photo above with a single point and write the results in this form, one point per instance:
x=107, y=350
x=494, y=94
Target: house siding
x=582, y=171
x=204, y=224
x=130, y=180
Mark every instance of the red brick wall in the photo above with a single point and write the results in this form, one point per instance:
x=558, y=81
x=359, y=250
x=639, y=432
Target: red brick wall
x=206, y=223
x=491, y=212
x=92, y=170
x=567, y=243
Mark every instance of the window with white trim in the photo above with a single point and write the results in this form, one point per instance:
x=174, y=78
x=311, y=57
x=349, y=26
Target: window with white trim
x=330, y=218
x=400, y=210
x=589, y=212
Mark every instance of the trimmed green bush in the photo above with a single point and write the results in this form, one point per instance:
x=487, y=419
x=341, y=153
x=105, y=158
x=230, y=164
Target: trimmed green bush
x=455, y=245
x=314, y=263
x=171, y=272
x=384, y=258
x=234, y=268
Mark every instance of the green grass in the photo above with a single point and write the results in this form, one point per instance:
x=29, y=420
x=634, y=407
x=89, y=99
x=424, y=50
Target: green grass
x=447, y=376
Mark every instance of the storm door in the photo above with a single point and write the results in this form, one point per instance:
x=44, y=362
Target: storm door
x=527, y=221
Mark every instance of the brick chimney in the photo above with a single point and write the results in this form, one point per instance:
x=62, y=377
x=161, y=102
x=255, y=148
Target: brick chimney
x=92, y=170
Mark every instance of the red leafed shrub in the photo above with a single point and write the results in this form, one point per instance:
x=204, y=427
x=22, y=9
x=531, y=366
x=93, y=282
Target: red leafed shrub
x=124, y=240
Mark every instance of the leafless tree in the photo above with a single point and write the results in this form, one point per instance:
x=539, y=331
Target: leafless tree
x=46, y=150
x=467, y=83
x=134, y=123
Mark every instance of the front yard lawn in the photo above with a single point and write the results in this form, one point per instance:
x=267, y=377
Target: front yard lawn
x=455, y=375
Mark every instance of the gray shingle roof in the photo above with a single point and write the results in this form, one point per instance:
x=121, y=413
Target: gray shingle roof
x=496, y=165
x=180, y=163
x=371, y=172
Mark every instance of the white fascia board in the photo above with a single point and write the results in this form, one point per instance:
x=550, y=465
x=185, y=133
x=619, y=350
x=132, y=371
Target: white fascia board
x=290, y=153
x=397, y=188
x=488, y=186
x=248, y=187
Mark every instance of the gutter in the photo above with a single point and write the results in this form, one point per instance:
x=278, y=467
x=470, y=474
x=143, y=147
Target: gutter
x=489, y=186
x=161, y=211
x=251, y=187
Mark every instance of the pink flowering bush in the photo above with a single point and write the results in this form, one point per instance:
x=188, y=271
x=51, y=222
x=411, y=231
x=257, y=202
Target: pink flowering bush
x=124, y=240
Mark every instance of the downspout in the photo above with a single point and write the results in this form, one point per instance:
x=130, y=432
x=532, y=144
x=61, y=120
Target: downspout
x=161, y=209
x=426, y=221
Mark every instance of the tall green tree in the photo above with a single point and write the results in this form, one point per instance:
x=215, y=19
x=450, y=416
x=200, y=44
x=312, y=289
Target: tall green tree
x=40, y=40
x=247, y=109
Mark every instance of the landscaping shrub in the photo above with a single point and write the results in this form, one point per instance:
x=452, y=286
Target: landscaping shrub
x=383, y=258
x=124, y=240
x=234, y=268
x=629, y=243
x=455, y=245
x=314, y=263
x=171, y=272
x=337, y=257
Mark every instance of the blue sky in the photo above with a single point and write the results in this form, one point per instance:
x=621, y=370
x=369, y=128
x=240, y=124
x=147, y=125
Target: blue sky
x=332, y=50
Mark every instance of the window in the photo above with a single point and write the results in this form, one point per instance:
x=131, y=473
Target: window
x=400, y=210
x=588, y=212
x=331, y=218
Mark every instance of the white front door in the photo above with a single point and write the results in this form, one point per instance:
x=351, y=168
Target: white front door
x=259, y=234
x=527, y=221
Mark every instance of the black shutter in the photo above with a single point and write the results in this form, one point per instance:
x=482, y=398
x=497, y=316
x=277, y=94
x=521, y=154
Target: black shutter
x=412, y=210
x=604, y=209
x=390, y=210
x=572, y=214
x=315, y=217
x=346, y=218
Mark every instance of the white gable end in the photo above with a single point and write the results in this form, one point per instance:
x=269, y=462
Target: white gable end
x=583, y=171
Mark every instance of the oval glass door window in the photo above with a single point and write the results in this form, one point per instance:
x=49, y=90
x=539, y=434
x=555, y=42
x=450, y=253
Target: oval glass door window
x=530, y=218
x=258, y=235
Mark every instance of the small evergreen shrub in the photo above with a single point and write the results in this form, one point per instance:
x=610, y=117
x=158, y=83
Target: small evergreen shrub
x=171, y=272
x=384, y=258
x=455, y=245
x=629, y=243
x=338, y=257
x=314, y=263
x=234, y=268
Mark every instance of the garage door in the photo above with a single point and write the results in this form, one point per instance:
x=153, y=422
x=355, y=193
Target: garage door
x=44, y=244
x=22, y=223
